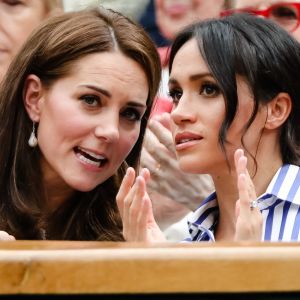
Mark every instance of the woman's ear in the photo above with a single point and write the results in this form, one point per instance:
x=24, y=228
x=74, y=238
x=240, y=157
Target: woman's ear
x=278, y=110
x=33, y=97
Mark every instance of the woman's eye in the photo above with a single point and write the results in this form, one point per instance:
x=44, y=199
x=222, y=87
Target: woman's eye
x=209, y=90
x=13, y=2
x=175, y=95
x=131, y=114
x=284, y=12
x=90, y=100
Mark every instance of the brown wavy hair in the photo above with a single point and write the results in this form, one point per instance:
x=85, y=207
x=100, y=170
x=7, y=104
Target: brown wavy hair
x=50, y=53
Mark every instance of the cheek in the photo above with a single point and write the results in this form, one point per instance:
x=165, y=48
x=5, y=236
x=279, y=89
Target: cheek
x=127, y=142
x=59, y=125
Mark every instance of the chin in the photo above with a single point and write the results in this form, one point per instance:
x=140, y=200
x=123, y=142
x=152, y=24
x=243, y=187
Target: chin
x=83, y=186
x=192, y=167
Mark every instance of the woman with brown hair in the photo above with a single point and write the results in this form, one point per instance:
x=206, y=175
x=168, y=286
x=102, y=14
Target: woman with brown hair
x=17, y=20
x=73, y=109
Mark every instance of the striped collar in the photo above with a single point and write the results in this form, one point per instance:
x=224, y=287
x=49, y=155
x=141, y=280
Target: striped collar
x=283, y=187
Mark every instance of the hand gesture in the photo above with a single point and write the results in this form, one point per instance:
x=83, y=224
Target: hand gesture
x=136, y=209
x=249, y=220
x=158, y=155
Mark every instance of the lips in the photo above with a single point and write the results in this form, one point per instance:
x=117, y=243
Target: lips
x=176, y=10
x=185, y=137
x=90, y=157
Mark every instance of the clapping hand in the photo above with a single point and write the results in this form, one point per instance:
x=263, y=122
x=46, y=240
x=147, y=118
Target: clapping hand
x=136, y=209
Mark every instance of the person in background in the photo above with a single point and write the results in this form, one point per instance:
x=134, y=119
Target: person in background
x=17, y=20
x=173, y=15
x=174, y=193
x=284, y=13
x=234, y=84
x=73, y=110
x=148, y=21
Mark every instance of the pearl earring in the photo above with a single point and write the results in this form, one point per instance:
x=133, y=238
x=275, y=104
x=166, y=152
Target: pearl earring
x=32, y=142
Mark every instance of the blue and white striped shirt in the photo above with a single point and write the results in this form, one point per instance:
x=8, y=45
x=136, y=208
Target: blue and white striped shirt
x=279, y=205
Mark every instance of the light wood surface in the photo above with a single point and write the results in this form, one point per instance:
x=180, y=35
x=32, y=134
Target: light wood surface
x=42, y=267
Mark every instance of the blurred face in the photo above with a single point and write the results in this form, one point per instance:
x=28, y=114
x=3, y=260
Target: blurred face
x=173, y=15
x=89, y=121
x=199, y=111
x=17, y=19
x=286, y=15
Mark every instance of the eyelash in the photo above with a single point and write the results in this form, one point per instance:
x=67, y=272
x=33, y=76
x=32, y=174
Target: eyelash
x=131, y=114
x=176, y=93
x=173, y=93
x=211, y=86
x=87, y=98
x=134, y=116
x=13, y=2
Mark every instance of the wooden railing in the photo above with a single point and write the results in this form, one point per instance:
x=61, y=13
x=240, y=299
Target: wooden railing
x=51, y=267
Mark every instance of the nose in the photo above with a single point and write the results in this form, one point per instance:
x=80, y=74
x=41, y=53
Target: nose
x=107, y=127
x=183, y=112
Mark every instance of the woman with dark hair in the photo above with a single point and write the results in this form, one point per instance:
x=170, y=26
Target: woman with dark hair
x=236, y=110
x=73, y=109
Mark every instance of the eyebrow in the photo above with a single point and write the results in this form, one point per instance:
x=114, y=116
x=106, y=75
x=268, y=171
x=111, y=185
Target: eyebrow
x=109, y=95
x=97, y=89
x=193, y=77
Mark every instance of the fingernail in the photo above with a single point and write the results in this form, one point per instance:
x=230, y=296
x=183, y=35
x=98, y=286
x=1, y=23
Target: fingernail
x=128, y=170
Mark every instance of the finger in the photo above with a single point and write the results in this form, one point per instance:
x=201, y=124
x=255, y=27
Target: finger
x=157, y=160
x=240, y=163
x=150, y=139
x=242, y=169
x=147, y=161
x=164, y=119
x=135, y=207
x=245, y=211
x=238, y=153
x=245, y=180
x=237, y=209
x=145, y=215
x=163, y=134
x=145, y=174
x=154, y=146
x=124, y=189
x=128, y=230
x=153, y=165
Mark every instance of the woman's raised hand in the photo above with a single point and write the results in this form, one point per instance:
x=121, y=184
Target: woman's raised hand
x=249, y=220
x=136, y=209
x=158, y=155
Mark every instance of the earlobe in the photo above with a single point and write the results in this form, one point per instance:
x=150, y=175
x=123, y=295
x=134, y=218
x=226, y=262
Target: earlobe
x=33, y=96
x=278, y=110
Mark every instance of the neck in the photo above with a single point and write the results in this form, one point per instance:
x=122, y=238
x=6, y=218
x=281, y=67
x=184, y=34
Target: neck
x=56, y=190
x=57, y=193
